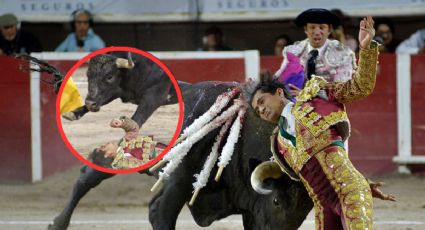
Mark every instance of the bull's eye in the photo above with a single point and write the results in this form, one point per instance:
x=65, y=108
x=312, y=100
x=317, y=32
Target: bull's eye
x=276, y=201
x=109, y=77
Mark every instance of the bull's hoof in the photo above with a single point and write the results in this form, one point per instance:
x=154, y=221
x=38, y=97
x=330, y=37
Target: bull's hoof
x=70, y=116
x=56, y=227
x=58, y=224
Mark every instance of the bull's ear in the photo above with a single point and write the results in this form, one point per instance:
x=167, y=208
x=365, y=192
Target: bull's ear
x=124, y=63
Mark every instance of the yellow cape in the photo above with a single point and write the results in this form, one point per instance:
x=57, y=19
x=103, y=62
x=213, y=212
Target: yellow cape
x=70, y=99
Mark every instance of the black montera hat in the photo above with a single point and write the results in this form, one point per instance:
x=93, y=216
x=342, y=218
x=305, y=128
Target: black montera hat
x=317, y=15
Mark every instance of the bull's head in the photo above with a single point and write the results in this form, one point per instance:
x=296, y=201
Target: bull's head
x=105, y=75
x=283, y=203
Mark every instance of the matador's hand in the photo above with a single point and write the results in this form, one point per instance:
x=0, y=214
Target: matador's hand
x=367, y=32
x=376, y=192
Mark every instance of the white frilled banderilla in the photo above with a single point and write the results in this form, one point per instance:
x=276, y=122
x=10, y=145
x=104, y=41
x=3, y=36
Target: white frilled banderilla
x=203, y=125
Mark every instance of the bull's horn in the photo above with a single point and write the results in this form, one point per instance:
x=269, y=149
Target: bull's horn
x=124, y=63
x=130, y=60
x=268, y=169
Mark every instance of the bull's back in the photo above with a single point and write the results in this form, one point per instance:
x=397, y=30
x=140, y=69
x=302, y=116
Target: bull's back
x=199, y=97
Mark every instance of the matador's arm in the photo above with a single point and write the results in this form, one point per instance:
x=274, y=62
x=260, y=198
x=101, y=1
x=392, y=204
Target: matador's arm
x=363, y=81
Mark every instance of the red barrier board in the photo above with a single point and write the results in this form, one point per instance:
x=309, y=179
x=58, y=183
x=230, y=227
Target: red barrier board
x=15, y=125
x=373, y=141
x=417, y=69
x=271, y=63
x=196, y=70
x=15, y=122
x=56, y=156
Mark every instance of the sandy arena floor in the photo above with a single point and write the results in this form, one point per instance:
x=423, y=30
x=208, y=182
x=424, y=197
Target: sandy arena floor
x=121, y=202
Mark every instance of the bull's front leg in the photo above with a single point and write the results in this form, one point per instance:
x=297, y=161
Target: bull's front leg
x=142, y=113
x=76, y=114
x=149, y=102
x=165, y=207
x=89, y=178
x=248, y=221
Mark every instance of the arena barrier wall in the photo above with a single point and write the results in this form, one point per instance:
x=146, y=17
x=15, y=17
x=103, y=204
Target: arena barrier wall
x=377, y=121
x=28, y=125
x=30, y=138
x=15, y=122
x=411, y=112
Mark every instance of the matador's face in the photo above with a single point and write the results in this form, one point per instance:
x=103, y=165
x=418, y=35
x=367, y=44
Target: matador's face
x=317, y=34
x=109, y=149
x=268, y=106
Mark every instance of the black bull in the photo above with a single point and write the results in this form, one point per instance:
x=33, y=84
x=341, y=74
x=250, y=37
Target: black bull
x=141, y=82
x=285, y=208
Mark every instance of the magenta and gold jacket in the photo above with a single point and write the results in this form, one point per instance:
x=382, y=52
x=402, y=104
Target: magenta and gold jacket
x=320, y=116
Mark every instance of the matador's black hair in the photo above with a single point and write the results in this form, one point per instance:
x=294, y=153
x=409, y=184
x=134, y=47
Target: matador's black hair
x=267, y=84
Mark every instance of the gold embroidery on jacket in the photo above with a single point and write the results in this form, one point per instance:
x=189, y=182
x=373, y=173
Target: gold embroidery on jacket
x=351, y=187
x=363, y=81
x=311, y=89
x=316, y=133
x=318, y=208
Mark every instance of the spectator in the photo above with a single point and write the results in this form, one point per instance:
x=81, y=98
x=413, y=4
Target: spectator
x=318, y=54
x=385, y=35
x=14, y=40
x=213, y=40
x=82, y=38
x=415, y=44
x=281, y=42
x=339, y=34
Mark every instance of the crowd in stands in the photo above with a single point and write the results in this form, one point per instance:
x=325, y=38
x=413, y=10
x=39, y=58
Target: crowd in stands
x=15, y=40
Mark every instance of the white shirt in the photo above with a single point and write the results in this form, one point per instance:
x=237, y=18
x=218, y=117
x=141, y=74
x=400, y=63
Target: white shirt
x=413, y=44
x=310, y=48
x=286, y=113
